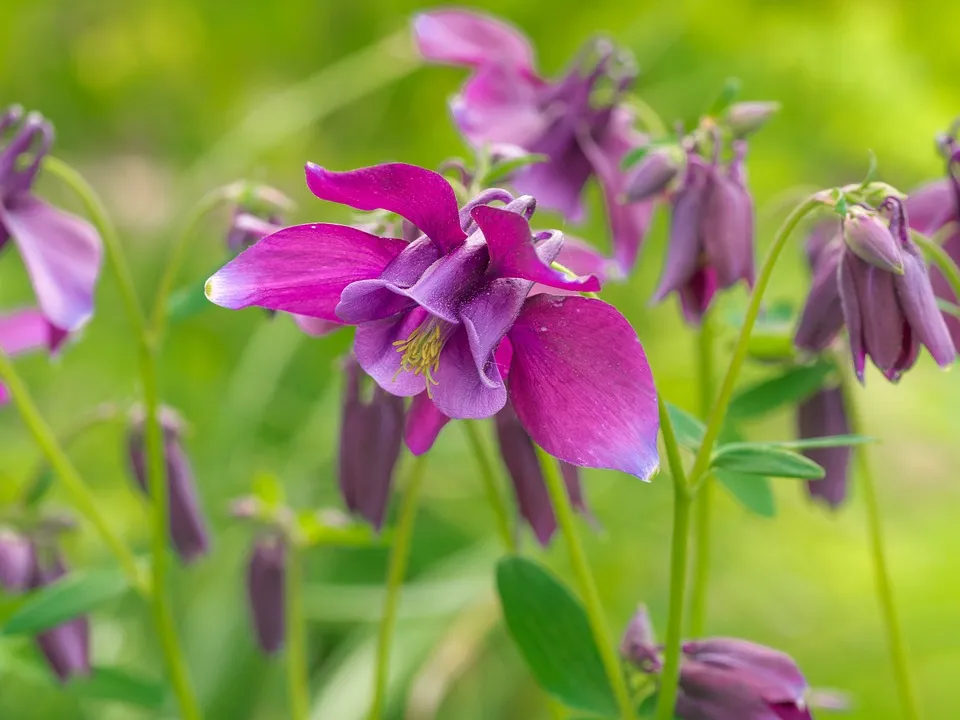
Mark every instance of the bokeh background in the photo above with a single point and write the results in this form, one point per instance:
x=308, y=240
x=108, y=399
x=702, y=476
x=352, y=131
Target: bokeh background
x=159, y=100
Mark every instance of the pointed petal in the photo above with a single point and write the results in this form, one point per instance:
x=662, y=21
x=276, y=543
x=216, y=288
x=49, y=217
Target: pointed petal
x=473, y=39
x=685, y=245
x=375, y=350
x=500, y=106
x=419, y=195
x=920, y=307
x=62, y=254
x=883, y=321
x=850, y=303
x=302, y=269
x=822, y=316
x=931, y=207
x=583, y=259
x=727, y=228
x=465, y=389
x=316, y=327
x=424, y=423
x=773, y=675
x=581, y=385
x=512, y=252
x=23, y=330
x=697, y=294
x=487, y=317
x=454, y=277
x=820, y=415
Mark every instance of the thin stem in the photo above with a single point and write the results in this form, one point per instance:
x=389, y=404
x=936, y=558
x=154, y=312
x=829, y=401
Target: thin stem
x=670, y=676
x=878, y=556
x=719, y=411
x=396, y=572
x=298, y=679
x=941, y=258
x=81, y=496
x=703, y=502
x=588, y=586
x=494, y=496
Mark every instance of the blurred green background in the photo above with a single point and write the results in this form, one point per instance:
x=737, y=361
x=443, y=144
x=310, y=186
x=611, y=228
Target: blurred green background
x=143, y=93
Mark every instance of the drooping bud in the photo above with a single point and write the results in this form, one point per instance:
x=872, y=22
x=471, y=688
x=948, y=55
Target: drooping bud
x=654, y=174
x=727, y=223
x=820, y=415
x=188, y=525
x=371, y=434
x=257, y=212
x=638, y=645
x=266, y=592
x=16, y=561
x=66, y=646
x=745, y=118
x=870, y=238
x=822, y=316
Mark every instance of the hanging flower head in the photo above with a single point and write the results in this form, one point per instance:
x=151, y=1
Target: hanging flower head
x=444, y=313
x=579, y=122
x=61, y=252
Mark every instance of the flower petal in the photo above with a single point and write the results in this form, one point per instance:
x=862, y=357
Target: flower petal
x=374, y=348
x=302, y=269
x=424, y=423
x=773, y=675
x=685, y=244
x=453, y=277
x=23, y=330
x=931, y=207
x=473, y=39
x=62, y=254
x=499, y=106
x=820, y=415
x=822, y=315
x=581, y=385
x=920, y=307
x=464, y=388
x=850, y=303
x=316, y=327
x=419, y=195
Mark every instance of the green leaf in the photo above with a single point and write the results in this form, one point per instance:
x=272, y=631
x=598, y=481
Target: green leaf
x=752, y=491
x=120, y=686
x=689, y=429
x=268, y=489
x=827, y=441
x=791, y=387
x=729, y=92
x=754, y=459
x=503, y=169
x=74, y=595
x=551, y=630
x=333, y=528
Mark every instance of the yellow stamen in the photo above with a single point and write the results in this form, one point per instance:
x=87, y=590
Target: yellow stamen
x=420, y=353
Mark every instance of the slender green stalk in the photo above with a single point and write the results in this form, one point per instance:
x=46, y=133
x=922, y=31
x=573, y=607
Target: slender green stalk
x=298, y=678
x=670, y=676
x=703, y=502
x=588, y=586
x=494, y=496
x=81, y=496
x=878, y=557
x=939, y=257
x=396, y=572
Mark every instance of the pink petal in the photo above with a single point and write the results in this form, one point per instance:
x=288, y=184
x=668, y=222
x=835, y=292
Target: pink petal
x=499, y=106
x=512, y=253
x=302, y=269
x=421, y=196
x=374, y=348
x=583, y=259
x=62, y=254
x=463, y=389
x=460, y=37
x=581, y=385
x=316, y=326
x=424, y=423
x=23, y=330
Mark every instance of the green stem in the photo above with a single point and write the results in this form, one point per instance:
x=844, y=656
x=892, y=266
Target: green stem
x=494, y=496
x=81, y=496
x=704, y=496
x=939, y=257
x=888, y=608
x=670, y=676
x=588, y=586
x=396, y=572
x=298, y=679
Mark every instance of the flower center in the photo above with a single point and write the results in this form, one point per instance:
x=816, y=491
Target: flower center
x=420, y=352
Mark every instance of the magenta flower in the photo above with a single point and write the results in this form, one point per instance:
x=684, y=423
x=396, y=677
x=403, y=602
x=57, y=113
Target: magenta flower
x=22, y=331
x=506, y=102
x=61, y=252
x=431, y=313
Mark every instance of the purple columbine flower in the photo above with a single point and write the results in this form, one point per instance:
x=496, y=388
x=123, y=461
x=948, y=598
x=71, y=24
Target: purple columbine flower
x=266, y=573
x=22, y=331
x=432, y=313
x=66, y=646
x=506, y=102
x=887, y=315
x=371, y=434
x=711, y=233
x=61, y=252
x=16, y=562
x=820, y=415
x=188, y=526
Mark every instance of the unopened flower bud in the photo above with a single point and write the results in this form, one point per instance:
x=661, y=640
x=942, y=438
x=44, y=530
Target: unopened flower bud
x=266, y=576
x=820, y=415
x=638, y=645
x=867, y=235
x=66, y=646
x=16, y=561
x=745, y=118
x=654, y=174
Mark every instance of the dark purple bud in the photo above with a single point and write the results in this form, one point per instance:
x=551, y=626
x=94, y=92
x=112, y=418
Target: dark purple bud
x=745, y=118
x=529, y=486
x=247, y=229
x=919, y=305
x=20, y=159
x=820, y=415
x=266, y=575
x=258, y=212
x=16, y=561
x=822, y=316
x=654, y=174
x=638, y=645
x=371, y=433
x=870, y=238
x=67, y=646
x=727, y=224
x=188, y=526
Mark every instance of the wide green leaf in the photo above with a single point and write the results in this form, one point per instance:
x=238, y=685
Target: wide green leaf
x=752, y=491
x=74, y=595
x=788, y=388
x=689, y=429
x=751, y=459
x=120, y=686
x=551, y=630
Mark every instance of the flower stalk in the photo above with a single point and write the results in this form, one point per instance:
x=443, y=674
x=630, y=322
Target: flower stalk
x=494, y=496
x=298, y=677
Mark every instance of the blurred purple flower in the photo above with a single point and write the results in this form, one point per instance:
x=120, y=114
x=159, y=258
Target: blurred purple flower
x=506, y=102
x=711, y=234
x=371, y=433
x=745, y=118
x=16, y=561
x=266, y=578
x=257, y=214
x=66, y=646
x=188, y=526
x=61, y=252
x=431, y=313
x=22, y=331
x=820, y=415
